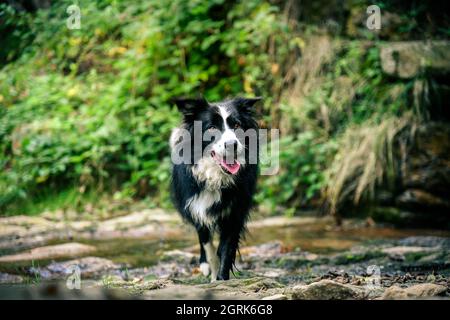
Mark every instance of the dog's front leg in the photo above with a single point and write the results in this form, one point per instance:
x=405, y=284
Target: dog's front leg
x=209, y=262
x=229, y=242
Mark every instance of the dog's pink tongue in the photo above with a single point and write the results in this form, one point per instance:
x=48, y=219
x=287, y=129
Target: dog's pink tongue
x=232, y=168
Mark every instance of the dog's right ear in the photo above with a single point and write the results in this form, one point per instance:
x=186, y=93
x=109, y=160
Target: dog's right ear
x=189, y=107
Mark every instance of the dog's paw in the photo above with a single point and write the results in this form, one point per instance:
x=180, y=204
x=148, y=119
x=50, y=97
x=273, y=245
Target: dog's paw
x=204, y=268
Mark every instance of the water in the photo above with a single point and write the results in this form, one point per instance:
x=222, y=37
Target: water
x=312, y=235
x=316, y=237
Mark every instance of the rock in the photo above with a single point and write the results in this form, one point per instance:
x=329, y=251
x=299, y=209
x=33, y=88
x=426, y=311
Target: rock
x=136, y=286
x=422, y=194
x=59, y=291
x=423, y=290
x=436, y=257
x=262, y=284
x=185, y=292
x=25, y=232
x=274, y=259
x=406, y=59
x=269, y=249
x=416, y=198
x=393, y=215
x=158, y=219
x=17, y=226
x=400, y=253
x=72, y=249
x=6, y=278
x=425, y=241
x=402, y=250
x=357, y=255
x=427, y=167
x=166, y=270
x=199, y=288
x=253, y=287
x=88, y=266
x=326, y=290
x=278, y=296
x=179, y=257
x=270, y=272
x=430, y=97
x=283, y=221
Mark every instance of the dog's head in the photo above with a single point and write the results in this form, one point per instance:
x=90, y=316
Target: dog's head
x=223, y=128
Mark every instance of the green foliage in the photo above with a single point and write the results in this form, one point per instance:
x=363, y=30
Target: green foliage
x=88, y=110
x=347, y=91
x=303, y=158
x=351, y=89
x=15, y=31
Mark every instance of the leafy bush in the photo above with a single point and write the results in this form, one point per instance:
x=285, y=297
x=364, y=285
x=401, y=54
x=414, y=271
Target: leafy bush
x=303, y=159
x=88, y=109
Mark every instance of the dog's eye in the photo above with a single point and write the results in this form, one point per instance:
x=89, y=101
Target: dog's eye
x=237, y=126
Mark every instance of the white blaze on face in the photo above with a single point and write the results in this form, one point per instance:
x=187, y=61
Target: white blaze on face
x=227, y=135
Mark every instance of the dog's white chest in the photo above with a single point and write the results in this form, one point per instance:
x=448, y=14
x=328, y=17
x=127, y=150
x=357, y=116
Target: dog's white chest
x=199, y=205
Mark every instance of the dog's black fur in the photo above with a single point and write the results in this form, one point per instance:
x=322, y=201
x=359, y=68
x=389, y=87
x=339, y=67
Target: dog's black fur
x=236, y=198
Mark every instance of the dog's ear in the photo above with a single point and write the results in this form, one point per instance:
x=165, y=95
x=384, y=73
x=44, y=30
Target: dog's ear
x=190, y=106
x=246, y=104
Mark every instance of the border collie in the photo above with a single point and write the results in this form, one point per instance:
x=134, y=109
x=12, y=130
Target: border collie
x=213, y=190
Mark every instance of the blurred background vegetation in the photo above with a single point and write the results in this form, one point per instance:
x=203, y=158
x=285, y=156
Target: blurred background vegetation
x=363, y=114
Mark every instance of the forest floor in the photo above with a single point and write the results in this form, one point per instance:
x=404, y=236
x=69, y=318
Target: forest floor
x=152, y=254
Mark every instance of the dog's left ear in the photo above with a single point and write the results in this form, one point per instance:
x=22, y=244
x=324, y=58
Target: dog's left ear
x=189, y=107
x=246, y=103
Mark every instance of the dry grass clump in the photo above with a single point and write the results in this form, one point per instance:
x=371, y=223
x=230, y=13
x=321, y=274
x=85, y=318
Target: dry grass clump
x=368, y=156
x=306, y=76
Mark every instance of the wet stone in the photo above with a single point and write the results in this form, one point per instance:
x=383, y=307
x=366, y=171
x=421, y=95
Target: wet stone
x=327, y=290
x=6, y=278
x=72, y=249
x=424, y=290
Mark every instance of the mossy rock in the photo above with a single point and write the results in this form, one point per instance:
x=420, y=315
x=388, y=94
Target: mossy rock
x=350, y=257
x=254, y=284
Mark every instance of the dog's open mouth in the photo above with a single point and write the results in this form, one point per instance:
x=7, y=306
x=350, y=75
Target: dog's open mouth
x=232, y=168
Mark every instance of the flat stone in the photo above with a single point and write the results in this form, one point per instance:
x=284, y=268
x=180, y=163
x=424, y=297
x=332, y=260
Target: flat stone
x=255, y=287
x=135, y=219
x=326, y=290
x=6, y=278
x=264, y=250
x=136, y=286
x=425, y=241
x=60, y=291
x=415, y=197
x=18, y=226
x=422, y=290
x=179, y=256
x=25, y=232
x=407, y=59
x=169, y=270
x=71, y=249
x=401, y=250
x=278, y=296
x=270, y=272
x=88, y=266
x=283, y=221
x=185, y=292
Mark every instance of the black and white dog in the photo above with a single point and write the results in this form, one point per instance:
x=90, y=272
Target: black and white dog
x=213, y=190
